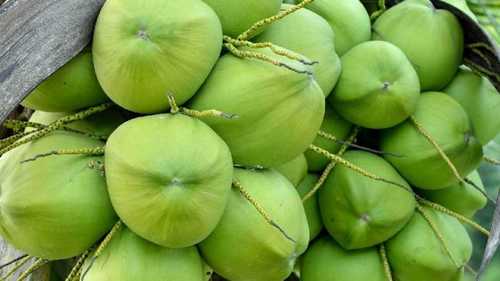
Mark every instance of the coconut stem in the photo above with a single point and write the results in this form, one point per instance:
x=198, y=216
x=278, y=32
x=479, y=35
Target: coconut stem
x=34, y=267
x=19, y=263
x=18, y=125
x=438, y=234
x=261, y=210
x=481, y=69
x=329, y=168
x=477, y=45
x=385, y=262
x=78, y=266
x=449, y=212
x=341, y=161
x=98, y=166
x=95, y=151
x=333, y=138
x=174, y=109
x=445, y=157
x=12, y=261
x=382, y=8
x=491, y=160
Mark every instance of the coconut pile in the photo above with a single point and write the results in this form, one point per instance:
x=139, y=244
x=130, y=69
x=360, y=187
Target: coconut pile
x=253, y=141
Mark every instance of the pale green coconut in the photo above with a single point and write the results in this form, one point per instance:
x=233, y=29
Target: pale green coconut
x=169, y=177
x=294, y=33
x=463, y=199
x=378, y=87
x=279, y=111
x=55, y=207
x=74, y=86
x=334, y=125
x=311, y=206
x=348, y=19
x=480, y=100
x=418, y=160
x=101, y=124
x=244, y=247
x=431, y=38
x=128, y=257
x=294, y=170
x=417, y=254
x=144, y=50
x=238, y=16
x=326, y=260
x=360, y=212
x=462, y=6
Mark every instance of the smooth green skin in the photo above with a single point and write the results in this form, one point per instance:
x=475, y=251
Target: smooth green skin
x=462, y=6
x=349, y=20
x=169, y=178
x=416, y=254
x=244, y=247
x=480, y=100
x=294, y=33
x=144, y=50
x=74, y=86
x=311, y=206
x=448, y=124
x=327, y=260
x=238, y=16
x=360, y=212
x=334, y=125
x=130, y=258
x=294, y=170
x=436, y=52
x=280, y=111
x=460, y=198
x=378, y=87
x=55, y=207
x=102, y=124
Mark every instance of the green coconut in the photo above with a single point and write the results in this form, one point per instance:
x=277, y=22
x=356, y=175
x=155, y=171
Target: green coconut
x=326, y=260
x=279, y=111
x=169, y=178
x=74, y=86
x=238, y=16
x=378, y=87
x=431, y=38
x=360, y=212
x=463, y=199
x=294, y=33
x=348, y=19
x=480, y=100
x=419, y=161
x=102, y=124
x=244, y=247
x=311, y=206
x=130, y=258
x=334, y=125
x=294, y=170
x=54, y=207
x=144, y=50
x=416, y=254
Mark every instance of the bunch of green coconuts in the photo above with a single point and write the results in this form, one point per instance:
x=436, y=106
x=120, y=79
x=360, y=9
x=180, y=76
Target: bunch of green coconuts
x=186, y=140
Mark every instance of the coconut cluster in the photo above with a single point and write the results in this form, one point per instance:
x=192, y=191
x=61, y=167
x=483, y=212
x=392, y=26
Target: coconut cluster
x=187, y=140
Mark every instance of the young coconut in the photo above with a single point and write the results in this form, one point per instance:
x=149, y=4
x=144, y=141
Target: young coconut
x=238, y=16
x=144, y=48
x=445, y=121
x=53, y=208
x=461, y=198
x=244, y=247
x=294, y=33
x=480, y=100
x=334, y=125
x=294, y=170
x=74, y=86
x=435, y=27
x=311, y=206
x=432, y=253
x=360, y=212
x=130, y=258
x=172, y=184
x=280, y=111
x=386, y=94
x=349, y=20
x=326, y=260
